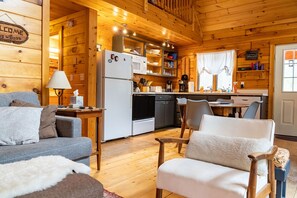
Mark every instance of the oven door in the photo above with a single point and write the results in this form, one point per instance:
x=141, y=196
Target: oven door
x=143, y=107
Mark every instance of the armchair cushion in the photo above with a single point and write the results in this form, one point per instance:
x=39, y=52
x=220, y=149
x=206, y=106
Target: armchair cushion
x=227, y=151
x=193, y=178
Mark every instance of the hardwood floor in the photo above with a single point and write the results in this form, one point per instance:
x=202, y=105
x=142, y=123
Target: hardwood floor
x=129, y=165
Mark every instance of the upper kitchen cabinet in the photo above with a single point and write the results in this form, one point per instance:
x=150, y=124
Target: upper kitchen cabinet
x=170, y=63
x=154, y=56
x=129, y=45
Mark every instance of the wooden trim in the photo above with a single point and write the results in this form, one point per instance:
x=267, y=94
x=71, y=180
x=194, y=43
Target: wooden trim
x=271, y=81
x=45, y=52
x=145, y=7
x=91, y=69
x=61, y=47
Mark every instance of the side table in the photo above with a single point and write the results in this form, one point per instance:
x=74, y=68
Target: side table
x=85, y=114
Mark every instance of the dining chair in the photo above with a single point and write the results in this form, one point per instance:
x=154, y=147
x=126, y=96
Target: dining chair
x=252, y=110
x=194, y=111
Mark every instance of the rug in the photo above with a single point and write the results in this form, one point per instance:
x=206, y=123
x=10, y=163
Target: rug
x=107, y=194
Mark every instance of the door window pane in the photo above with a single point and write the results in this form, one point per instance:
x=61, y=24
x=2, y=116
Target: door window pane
x=290, y=71
x=287, y=84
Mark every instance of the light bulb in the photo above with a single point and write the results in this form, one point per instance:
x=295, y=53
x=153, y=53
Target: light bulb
x=134, y=33
x=168, y=45
x=125, y=31
x=115, y=28
x=172, y=46
x=164, y=44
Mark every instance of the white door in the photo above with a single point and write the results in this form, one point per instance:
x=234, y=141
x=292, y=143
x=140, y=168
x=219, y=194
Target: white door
x=117, y=65
x=118, y=109
x=285, y=90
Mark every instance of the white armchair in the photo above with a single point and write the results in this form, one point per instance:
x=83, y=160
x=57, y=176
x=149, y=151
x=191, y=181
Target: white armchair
x=226, y=158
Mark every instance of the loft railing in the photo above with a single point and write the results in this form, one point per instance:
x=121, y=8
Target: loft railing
x=179, y=8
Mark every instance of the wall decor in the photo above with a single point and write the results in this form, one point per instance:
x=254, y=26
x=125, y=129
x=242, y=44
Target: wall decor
x=13, y=33
x=251, y=55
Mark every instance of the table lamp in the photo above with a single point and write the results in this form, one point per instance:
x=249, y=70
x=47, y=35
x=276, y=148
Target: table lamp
x=59, y=82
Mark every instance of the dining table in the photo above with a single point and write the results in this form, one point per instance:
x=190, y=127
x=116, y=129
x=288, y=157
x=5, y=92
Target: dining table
x=219, y=109
x=226, y=109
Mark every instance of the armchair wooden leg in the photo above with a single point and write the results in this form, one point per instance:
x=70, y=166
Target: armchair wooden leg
x=159, y=193
x=183, y=128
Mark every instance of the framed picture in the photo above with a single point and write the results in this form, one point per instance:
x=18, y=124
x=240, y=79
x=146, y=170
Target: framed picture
x=251, y=55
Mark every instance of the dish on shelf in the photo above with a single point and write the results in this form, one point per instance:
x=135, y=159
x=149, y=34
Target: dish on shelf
x=155, y=51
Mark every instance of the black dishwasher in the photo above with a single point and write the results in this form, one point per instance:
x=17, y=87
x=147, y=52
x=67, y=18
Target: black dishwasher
x=143, y=113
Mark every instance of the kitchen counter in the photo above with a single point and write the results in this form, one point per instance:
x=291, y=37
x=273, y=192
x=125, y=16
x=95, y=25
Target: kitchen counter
x=204, y=93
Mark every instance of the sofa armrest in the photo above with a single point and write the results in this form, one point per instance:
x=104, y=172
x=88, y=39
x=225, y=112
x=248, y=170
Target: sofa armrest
x=68, y=126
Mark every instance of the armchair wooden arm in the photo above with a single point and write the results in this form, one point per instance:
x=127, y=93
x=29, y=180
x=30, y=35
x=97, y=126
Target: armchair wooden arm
x=269, y=188
x=168, y=140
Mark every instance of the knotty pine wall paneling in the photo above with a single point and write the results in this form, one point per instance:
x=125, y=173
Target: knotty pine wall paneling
x=251, y=79
x=21, y=65
x=79, y=55
x=79, y=59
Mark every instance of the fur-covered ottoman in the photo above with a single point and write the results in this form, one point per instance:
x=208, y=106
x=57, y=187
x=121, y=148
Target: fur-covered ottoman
x=48, y=176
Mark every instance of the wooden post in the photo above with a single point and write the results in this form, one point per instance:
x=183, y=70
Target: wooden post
x=145, y=5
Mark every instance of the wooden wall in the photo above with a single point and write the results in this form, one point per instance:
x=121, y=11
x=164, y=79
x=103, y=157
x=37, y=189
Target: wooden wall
x=252, y=79
x=79, y=54
x=79, y=58
x=21, y=65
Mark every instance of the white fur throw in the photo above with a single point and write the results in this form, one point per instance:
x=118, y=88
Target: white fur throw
x=23, y=177
x=227, y=151
x=19, y=125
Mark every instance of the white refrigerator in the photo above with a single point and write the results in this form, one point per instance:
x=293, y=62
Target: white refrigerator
x=114, y=93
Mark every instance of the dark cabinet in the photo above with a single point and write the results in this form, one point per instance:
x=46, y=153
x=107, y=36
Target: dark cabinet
x=164, y=111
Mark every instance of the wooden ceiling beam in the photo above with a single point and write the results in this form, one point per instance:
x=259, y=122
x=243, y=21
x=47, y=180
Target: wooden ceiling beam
x=153, y=15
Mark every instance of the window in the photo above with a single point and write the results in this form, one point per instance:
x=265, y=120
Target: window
x=215, y=70
x=290, y=71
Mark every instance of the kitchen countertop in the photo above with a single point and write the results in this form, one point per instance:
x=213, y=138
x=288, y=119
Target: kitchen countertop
x=204, y=93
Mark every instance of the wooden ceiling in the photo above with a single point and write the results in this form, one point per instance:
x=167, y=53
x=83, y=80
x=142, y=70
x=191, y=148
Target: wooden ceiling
x=218, y=19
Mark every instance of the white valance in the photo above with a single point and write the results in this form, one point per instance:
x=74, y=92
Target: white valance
x=216, y=62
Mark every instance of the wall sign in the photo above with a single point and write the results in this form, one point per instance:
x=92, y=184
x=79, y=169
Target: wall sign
x=251, y=55
x=13, y=33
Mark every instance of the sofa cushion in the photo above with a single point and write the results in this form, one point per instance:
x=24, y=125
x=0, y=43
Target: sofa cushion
x=47, y=127
x=19, y=125
x=227, y=151
x=191, y=178
x=71, y=148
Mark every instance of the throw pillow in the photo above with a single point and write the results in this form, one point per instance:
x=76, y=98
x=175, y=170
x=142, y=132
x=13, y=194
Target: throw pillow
x=227, y=151
x=47, y=121
x=19, y=125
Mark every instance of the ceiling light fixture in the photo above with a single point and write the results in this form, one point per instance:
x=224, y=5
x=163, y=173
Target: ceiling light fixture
x=115, y=28
x=125, y=31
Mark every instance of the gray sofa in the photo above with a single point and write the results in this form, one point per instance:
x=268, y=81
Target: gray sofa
x=69, y=142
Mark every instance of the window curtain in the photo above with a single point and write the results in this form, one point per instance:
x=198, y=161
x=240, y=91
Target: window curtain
x=216, y=62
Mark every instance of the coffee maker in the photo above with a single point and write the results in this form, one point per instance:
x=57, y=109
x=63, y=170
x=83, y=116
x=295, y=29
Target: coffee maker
x=169, y=86
x=183, y=83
